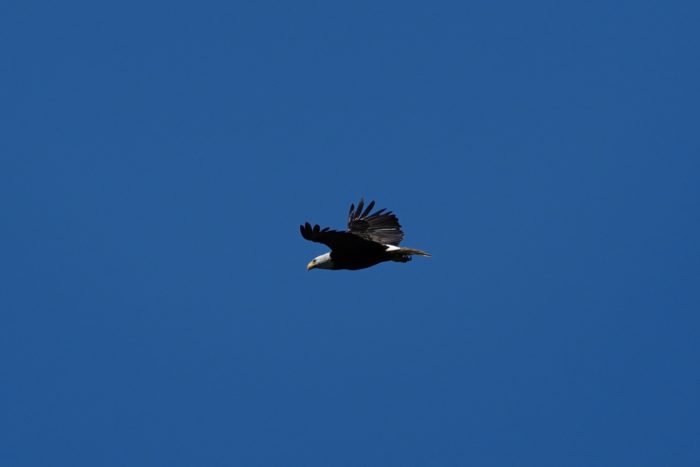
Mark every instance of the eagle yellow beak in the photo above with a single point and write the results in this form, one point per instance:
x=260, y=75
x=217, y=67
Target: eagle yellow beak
x=310, y=266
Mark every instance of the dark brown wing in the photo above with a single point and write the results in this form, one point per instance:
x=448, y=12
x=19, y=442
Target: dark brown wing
x=381, y=227
x=337, y=241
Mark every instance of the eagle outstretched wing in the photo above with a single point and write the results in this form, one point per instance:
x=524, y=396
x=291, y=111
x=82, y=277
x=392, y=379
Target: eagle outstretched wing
x=337, y=241
x=381, y=227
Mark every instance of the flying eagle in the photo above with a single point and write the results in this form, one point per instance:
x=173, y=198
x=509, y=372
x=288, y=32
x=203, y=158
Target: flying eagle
x=369, y=240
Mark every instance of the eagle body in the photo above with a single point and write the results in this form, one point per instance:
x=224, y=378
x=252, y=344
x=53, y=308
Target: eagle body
x=353, y=260
x=370, y=239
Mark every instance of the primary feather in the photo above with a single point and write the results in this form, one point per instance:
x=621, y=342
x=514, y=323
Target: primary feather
x=381, y=227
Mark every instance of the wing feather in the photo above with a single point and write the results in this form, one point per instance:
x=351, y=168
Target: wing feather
x=337, y=241
x=381, y=227
x=369, y=208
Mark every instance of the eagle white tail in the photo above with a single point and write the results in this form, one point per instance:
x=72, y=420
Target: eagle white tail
x=402, y=254
x=412, y=251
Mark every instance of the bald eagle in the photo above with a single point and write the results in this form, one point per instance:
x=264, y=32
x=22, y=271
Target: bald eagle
x=371, y=238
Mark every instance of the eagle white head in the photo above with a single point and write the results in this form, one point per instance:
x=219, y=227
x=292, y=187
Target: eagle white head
x=323, y=261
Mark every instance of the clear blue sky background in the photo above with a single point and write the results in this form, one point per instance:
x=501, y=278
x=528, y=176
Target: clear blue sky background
x=157, y=158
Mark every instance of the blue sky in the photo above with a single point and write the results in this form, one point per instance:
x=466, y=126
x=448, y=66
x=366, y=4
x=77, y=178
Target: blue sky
x=156, y=160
